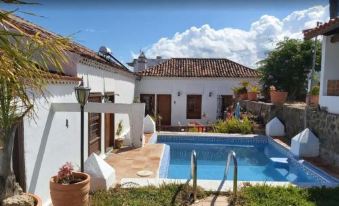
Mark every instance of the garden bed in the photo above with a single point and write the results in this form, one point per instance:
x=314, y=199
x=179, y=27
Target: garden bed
x=259, y=195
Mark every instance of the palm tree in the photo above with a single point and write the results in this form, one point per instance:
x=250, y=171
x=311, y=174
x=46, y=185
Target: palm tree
x=25, y=59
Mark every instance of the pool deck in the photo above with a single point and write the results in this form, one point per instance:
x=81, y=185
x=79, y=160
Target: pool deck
x=128, y=161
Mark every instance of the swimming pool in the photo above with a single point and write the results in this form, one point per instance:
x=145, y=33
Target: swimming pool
x=259, y=159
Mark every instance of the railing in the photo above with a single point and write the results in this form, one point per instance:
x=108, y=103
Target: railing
x=194, y=173
x=232, y=155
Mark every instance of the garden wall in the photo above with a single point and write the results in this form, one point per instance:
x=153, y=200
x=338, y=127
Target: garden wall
x=325, y=125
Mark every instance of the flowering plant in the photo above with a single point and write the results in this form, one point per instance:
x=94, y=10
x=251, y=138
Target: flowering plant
x=65, y=175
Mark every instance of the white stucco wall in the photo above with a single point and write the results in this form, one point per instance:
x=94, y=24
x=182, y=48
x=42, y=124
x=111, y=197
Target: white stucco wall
x=48, y=142
x=329, y=71
x=201, y=86
x=121, y=84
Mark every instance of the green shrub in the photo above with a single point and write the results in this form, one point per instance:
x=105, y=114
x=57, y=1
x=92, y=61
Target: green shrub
x=233, y=125
x=315, y=91
x=193, y=129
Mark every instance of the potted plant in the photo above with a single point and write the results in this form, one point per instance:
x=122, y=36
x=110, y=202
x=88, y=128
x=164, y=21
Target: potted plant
x=314, y=96
x=236, y=92
x=243, y=90
x=253, y=93
x=118, y=142
x=278, y=97
x=69, y=187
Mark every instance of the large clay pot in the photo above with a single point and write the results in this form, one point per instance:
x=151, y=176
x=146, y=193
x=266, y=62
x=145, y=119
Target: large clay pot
x=118, y=142
x=253, y=96
x=74, y=194
x=278, y=97
x=243, y=96
x=36, y=198
x=314, y=100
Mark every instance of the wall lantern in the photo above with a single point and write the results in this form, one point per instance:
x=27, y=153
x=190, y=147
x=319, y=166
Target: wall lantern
x=210, y=94
x=179, y=93
x=82, y=94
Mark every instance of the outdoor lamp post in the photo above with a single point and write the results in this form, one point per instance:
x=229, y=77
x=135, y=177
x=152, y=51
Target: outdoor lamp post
x=82, y=94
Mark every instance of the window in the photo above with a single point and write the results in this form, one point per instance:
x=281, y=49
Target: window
x=193, y=107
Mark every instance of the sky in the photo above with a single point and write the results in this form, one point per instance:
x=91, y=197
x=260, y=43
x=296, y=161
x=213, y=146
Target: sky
x=243, y=30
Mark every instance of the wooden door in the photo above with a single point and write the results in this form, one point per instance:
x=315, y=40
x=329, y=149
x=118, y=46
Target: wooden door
x=94, y=127
x=19, y=156
x=109, y=127
x=164, y=108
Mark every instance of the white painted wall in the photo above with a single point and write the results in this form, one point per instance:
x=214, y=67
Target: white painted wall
x=121, y=84
x=48, y=142
x=201, y=86
x=329, y=71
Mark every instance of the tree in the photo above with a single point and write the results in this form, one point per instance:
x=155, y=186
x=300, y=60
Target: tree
x=287, y=66
x=25, y=60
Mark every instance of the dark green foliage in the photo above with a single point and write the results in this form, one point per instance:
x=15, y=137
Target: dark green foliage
x=234, y=125
x=286, y=67
x=315, y=90
x=165, y=195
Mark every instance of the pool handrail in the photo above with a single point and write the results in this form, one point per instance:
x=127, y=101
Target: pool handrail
x=232, y=155
x=194, y=174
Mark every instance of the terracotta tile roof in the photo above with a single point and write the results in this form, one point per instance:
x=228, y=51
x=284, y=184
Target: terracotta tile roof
x=75, y=47
x=322, y=29
x=199, y=67
x=58, y=76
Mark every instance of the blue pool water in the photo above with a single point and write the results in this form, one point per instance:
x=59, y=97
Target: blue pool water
x=258, y=160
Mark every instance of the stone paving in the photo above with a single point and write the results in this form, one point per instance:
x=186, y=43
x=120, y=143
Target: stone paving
x=128, y=161
x=212, y=201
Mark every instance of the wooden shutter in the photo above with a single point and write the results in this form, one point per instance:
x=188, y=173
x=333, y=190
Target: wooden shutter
x=94, y=127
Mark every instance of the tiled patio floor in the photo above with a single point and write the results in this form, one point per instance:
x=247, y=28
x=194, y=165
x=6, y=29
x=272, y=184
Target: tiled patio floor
x=128, y=161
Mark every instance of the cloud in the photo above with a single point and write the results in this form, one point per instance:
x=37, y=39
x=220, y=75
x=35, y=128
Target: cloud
x=243, y=46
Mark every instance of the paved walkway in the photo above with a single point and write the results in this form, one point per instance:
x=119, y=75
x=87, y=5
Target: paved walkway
x=212, y=201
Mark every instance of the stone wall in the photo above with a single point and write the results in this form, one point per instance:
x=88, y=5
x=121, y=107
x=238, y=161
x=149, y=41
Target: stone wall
x=324, y=125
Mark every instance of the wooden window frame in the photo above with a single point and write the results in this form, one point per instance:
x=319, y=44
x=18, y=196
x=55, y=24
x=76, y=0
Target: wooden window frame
x=197, y=106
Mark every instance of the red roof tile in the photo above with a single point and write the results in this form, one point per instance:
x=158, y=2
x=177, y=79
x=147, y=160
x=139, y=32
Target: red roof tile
x=322, y=29
x=75, y=47
x=199, y=67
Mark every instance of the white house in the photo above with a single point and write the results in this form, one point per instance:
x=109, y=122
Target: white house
x=52, y=138
x=182, y=90
x=329, y=78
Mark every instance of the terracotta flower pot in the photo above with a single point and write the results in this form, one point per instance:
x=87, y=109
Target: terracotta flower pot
x=253, y=96
x=74, y=194
x=278, y=97
x=36, y=198
x=314, y=100
x=243, y=96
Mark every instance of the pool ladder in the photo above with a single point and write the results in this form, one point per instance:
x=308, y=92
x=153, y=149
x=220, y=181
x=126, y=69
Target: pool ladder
x=194, y=174
x=232, y=156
